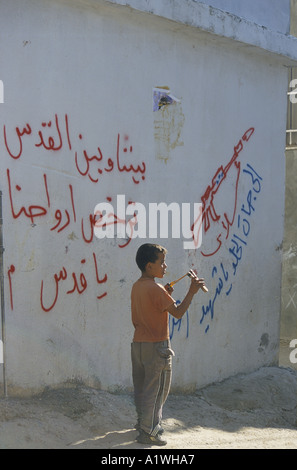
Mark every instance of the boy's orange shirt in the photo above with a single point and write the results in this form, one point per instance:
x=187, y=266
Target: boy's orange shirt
x=149, y=304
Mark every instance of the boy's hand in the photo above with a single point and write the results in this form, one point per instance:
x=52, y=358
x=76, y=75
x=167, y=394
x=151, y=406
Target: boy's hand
x=169, y=288
x=201, y=282
x=196, y=284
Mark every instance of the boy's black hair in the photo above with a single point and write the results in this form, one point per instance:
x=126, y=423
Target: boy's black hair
x=148, y=253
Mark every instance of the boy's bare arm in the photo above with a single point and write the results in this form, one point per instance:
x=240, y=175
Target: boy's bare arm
x=178, y=311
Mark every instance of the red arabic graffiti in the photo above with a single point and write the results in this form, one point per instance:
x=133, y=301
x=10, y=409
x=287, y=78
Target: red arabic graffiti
x=64, y=217
x=79, y=284
x=111, y=219
x=27, y=130
x=11, y=270
x=53, y=135
x=32, y=211
x=211, y=214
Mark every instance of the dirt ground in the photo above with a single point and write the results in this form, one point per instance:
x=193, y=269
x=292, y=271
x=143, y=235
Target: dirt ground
x=253, y=411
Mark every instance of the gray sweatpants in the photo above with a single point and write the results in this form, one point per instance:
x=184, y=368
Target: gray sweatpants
x=151, y=373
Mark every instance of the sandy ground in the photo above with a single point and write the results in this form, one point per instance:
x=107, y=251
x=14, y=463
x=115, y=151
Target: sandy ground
x=253, y=411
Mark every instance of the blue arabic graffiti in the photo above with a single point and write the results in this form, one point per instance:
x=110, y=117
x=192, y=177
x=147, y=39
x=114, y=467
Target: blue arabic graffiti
x=238, y=243
x=175, y=325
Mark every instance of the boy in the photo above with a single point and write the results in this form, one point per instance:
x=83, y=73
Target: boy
x=151, y=352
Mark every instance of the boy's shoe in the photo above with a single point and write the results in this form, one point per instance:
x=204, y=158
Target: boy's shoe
x=145, y=438
x=138, y=428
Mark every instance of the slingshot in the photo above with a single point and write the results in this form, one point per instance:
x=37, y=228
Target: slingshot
x=190, y=274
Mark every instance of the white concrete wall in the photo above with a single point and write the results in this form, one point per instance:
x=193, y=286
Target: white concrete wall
x=247, y=30
x=273, y=14
x=78, y=84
